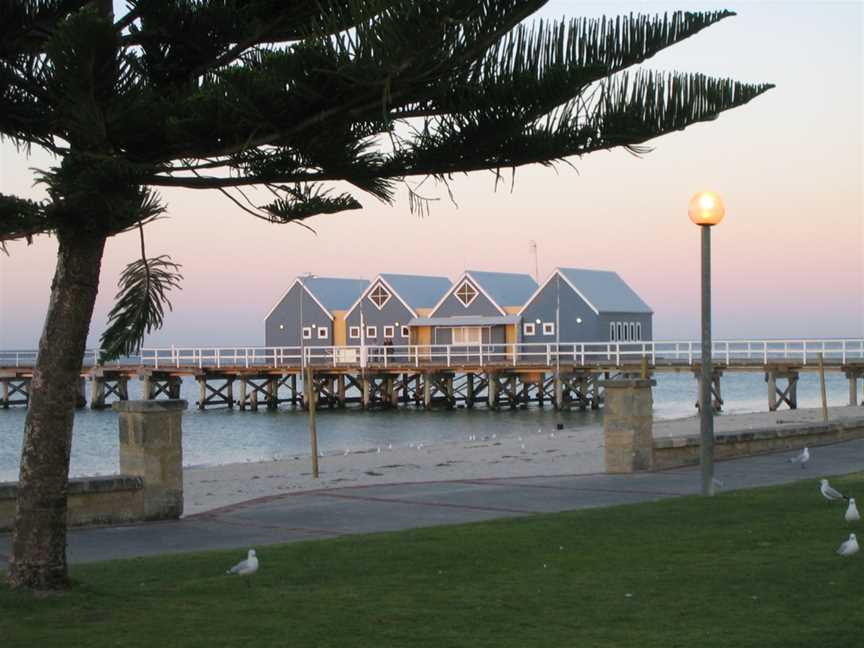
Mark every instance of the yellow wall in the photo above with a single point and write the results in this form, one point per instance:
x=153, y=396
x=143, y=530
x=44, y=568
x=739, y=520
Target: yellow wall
x=510, y=334
x=424, y=312
x=512, y=310
x=422, y=334
x=340, y=333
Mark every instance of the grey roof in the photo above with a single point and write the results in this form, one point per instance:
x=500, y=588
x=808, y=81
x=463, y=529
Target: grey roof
x=464, y=320
x=606, y=291
x=505, y=288
x=335, y=293
x=418, y=291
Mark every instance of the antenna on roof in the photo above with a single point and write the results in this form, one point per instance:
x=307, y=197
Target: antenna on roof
x=532, y=246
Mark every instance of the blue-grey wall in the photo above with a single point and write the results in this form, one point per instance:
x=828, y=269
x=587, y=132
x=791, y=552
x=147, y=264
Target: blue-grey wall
x=392, y=312
x=287, y=313
x=593, y=328
x=451, y=306
x=644, y=318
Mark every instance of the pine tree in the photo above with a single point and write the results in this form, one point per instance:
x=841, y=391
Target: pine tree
x=287, y=96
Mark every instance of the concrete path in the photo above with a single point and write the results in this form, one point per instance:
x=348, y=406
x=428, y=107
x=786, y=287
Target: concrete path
x=367, y=509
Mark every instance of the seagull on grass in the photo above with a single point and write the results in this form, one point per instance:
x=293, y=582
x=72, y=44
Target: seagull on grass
x=852, y=514
x=802, y=457
x=849, y=547
x=828, y=492
x=245, y=567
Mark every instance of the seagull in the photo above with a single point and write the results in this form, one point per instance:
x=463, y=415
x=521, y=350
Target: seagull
x=802, y=457
x=852, y=514
x=379, y=451
x=828, y=492
x=245, y=567
x=389, y=446
x=849, y=547
x=347, y=452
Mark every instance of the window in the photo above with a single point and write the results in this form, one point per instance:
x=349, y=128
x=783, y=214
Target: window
x=466, y=293
x=548, y=328
x=639, y=331
x=406, y=332
x=388, y=332
x=632, y=332
x=619, y=332
x=354, y=332
x=379, y=296
x=307, y=332
x=323, y=332
x=467, y=335
x=528, y=328
x=372, y=331
x=612, y=331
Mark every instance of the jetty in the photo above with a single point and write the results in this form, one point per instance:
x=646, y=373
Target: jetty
x=563, y=376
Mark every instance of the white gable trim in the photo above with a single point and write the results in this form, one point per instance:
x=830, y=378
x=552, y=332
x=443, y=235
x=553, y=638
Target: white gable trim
x=308, y=292
x=369, y=288
x=558, y=272
x=456, y=284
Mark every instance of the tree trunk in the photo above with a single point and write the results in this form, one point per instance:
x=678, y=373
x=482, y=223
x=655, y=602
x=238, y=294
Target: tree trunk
x=39, y=539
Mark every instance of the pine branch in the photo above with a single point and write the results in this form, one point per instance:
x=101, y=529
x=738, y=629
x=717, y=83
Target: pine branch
x=139, y=305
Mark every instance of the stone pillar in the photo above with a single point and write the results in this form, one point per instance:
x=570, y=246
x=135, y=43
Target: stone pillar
x=628, y=425
x=151, y=447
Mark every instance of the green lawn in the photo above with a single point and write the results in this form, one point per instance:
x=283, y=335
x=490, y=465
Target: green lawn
x=751, y=568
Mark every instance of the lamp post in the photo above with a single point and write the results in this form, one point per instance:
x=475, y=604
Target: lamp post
x=706, y=210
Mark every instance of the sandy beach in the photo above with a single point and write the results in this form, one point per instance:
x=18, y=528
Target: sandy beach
x=541, y=452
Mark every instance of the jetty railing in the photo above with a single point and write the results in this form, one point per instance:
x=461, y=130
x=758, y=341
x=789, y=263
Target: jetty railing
x=686, y=352
x=517, y=354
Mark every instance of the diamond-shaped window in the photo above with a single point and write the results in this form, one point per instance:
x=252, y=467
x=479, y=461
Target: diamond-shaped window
x=466, y=293
x=379, y=296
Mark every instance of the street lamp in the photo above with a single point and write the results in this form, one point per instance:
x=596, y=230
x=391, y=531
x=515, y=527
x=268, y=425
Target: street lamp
x=706, y=209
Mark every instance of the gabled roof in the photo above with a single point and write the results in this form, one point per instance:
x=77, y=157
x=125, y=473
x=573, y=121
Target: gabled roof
x=604, y=291
x=417, y=291
x=414, y=291
x=504, y=288
x=330, y=293
x=335, y=293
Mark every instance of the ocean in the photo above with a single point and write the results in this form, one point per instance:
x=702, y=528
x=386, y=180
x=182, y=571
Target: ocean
x=220, y=436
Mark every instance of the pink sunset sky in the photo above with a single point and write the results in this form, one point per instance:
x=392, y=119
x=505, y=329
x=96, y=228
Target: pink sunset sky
x=787, y=258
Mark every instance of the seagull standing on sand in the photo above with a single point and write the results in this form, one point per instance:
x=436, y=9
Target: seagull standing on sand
x=245, y=567
x=802, y=457
x=829, y=493
x=852, y=514
x=849, y=547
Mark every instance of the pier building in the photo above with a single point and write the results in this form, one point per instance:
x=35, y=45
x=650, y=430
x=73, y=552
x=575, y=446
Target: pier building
x=480, y=308
x=312, y=312
x=382, y=312
x=578, y=305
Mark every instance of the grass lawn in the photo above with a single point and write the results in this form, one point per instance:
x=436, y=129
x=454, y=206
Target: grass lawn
x=750, y=568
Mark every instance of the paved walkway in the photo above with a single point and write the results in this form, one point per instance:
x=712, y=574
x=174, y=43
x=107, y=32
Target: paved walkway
x=367, y=509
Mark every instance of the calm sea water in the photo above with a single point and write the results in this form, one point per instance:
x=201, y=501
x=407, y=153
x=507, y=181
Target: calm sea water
x=221, y=436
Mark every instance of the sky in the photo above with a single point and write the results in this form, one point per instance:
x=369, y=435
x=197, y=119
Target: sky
x=787, y=259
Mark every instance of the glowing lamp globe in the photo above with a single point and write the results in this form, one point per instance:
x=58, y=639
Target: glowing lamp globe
x=706, y=208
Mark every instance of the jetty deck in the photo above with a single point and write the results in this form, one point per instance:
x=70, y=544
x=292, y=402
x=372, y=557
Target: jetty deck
x=496, y=375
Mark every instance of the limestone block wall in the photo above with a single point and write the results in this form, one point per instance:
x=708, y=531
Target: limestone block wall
x=628, y=429
x=670, y=452
x=150, y=483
